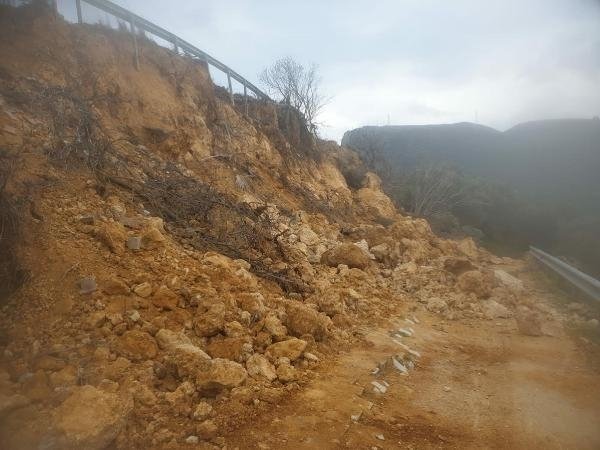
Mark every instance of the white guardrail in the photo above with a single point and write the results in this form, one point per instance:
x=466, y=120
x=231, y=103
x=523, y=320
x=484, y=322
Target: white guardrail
x=576, y=277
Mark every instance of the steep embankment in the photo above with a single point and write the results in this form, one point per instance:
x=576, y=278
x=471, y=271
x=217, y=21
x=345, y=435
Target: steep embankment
x=176, y=269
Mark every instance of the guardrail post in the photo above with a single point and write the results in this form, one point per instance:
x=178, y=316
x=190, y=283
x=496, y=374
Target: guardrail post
x=136, y=53
x=79, y=15
x=230, y=88
x=246, y=99
x=176, y=46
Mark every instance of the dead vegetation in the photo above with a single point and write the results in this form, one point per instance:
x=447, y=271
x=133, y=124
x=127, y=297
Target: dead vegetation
x=197, y=214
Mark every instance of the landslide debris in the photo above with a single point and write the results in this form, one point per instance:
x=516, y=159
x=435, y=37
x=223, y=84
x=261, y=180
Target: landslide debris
x=187, y=264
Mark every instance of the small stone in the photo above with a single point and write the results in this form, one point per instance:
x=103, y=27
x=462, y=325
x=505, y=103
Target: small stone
x=165, y=298
x=143, y=290
x=87, y=285
x=259, y=367
x=134, y=243
x=120, y=329
x=191, y=440
x=202, y=411
x=152, y=238
x=114, y=318
x=380, y=437
x=378, y=387
x=286, y=373
x=134, y=316
x=404, y=332
x=206, y=430
x=137, y=345
x=114, y=286
x=310, y=357
x=87, y=219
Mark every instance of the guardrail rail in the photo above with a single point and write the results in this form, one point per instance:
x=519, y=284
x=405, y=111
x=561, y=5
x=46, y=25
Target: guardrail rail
x=139, y=23
x=576, y=277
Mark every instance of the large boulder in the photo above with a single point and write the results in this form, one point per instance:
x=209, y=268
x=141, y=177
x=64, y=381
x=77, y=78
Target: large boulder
x=348, y=254
x=291, y=349
x=112, y=235
x=210, y=322
x=189, y=361
x=259, y=367
x=185, y=357
x=220, y=374
x=494, y=310
x=512, y=283
x=373, y=200
x=301, y=320
x=165, y=298
x=91, y=418
x=477, y=282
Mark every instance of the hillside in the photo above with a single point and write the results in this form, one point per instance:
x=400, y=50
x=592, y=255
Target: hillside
x=177, y=274
x=547, y=169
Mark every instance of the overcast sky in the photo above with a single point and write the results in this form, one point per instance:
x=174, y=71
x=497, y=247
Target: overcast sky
x=410, y=61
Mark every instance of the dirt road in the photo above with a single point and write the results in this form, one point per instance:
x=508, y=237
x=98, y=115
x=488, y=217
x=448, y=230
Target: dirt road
x=477, y=384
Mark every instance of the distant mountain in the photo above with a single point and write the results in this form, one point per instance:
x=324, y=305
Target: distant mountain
x=537, y=159
x=552, y=166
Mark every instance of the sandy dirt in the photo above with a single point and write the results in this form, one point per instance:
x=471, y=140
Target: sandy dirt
x=478, y=384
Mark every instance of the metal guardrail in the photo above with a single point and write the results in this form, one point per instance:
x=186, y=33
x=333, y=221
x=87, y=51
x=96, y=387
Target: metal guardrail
x=581, y=280
x=139, y=23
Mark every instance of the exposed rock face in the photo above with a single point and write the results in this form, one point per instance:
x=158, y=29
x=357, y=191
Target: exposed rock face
x=349, y=254
x=91, y=418
x=291, y=349
x=476, y=282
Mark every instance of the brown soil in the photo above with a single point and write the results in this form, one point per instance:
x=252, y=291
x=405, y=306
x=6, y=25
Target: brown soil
x=479, y=384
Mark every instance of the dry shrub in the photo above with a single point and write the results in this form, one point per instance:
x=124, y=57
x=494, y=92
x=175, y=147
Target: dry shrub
x=204, y=218
x=77, y=137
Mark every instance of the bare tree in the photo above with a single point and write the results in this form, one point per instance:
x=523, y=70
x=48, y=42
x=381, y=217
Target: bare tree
x=434, y=191
x=296, y=86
